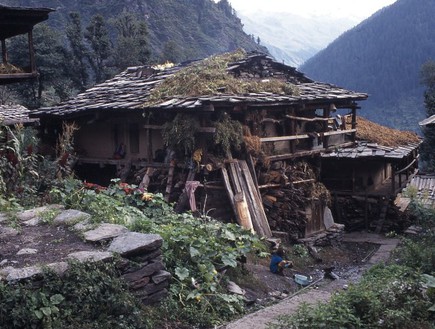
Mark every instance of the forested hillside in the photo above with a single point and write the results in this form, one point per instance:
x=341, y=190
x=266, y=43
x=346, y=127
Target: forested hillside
x=383, y=57
x=183, y=29
x=85, y=42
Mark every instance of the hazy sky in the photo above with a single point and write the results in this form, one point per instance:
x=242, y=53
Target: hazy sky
x=355, y=9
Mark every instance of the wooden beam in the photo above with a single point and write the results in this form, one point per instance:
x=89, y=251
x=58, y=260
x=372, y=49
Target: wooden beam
x=200, y=129
x=4, y=52
x=305, y=136
x=305, y=153
x=31, y=52
x=306, y=119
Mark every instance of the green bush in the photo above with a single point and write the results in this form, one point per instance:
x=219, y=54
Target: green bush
x=195, y=250
x=87, y=296
x=386, y=297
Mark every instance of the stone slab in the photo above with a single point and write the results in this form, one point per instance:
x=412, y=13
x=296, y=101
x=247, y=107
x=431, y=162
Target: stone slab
x=70, y=217
x=134, y=243
x=104, y=232
x=91, y=256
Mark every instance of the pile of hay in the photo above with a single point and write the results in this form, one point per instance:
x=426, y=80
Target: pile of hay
x=210, y=77
x=372, y=132
x=6, y=68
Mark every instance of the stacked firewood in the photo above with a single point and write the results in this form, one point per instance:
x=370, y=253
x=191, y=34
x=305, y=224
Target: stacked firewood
x=285, y=210
x=360, y=213
x=286, y=192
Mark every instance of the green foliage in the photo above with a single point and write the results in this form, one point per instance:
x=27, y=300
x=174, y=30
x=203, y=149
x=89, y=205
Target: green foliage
x=97, y=34
x=386, y=297
x=194, y=249
x=79, y=69
x=210, y=77
x=393, y=43
x=19, y=165
x=132, y=41
x=428, y=145
x=418, y=254
x=300, y=250
x=179, y=134
x=88, y=296
x=229, y=134
x=54, y=83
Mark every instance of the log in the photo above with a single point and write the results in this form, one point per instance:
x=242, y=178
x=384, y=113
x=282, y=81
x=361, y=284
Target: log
x=259, y=218
x=245, y=219
x=169, y=182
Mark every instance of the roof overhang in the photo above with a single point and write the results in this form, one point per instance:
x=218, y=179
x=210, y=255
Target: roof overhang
x=17, y=20
x=428, y=121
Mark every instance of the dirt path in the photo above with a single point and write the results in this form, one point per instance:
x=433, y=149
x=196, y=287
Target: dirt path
x=320, y=292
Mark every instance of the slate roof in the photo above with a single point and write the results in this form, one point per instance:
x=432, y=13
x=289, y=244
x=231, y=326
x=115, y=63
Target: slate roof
x=12, y=114
x=425, y=189
x=130, y=89
x=372, y=150
x=427, y=121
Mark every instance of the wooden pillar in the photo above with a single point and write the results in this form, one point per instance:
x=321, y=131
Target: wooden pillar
x=31, y=53
x=326, y=114
x=393, y=178
x=353, y=123
x=4, y=52
x=149, y=141
x=292, y=127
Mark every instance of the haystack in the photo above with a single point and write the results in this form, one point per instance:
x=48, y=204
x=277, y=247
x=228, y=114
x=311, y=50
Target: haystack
x=375, y=133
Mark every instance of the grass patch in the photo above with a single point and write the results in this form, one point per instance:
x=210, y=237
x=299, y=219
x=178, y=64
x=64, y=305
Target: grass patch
x=210, y=77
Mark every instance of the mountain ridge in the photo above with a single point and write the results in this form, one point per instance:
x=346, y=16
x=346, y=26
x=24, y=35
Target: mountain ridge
x=382, y=56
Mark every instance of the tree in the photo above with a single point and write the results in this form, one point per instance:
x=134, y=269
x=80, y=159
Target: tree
x=79, y=53
x=97, y=35
x=53, y=84
x=132, y=41
x=428, y=145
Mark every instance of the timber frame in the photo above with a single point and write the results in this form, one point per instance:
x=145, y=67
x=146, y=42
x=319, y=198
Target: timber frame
x=286, y=126
x=16, y=21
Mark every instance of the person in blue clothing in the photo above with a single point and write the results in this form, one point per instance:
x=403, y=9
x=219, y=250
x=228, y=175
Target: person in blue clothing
x=278, y=263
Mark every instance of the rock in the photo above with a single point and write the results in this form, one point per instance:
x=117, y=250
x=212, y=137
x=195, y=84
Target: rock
x=17, y=274
x=91, y=256
x=70, y=217
x=3, y=218
x=59, y=268
x=7, y=231
x=26, y=215
x=3, y=262
x=328, y=220
x=84, y=225
x=133, y=243
x=27, y=251
x=104, y=232
x=33, y=222
x=146, y=270
x=161, y=276
x=156, y=297
x=153, y=288
x=235, y=289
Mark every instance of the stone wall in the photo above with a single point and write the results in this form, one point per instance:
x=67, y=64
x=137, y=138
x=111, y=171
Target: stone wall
x=138, y=256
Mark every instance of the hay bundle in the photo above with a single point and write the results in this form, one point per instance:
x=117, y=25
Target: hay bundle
x=6, y=68
x=372, y=132
x=210, y=77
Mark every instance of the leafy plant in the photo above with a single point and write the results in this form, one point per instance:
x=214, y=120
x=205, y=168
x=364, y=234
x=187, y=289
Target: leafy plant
x=89, y=296
x=179, y=134
x=386, y=297
x=229, y=134
x=195, y=250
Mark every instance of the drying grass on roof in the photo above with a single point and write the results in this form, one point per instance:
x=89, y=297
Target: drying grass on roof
x=372, y=132
x=210, y=77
